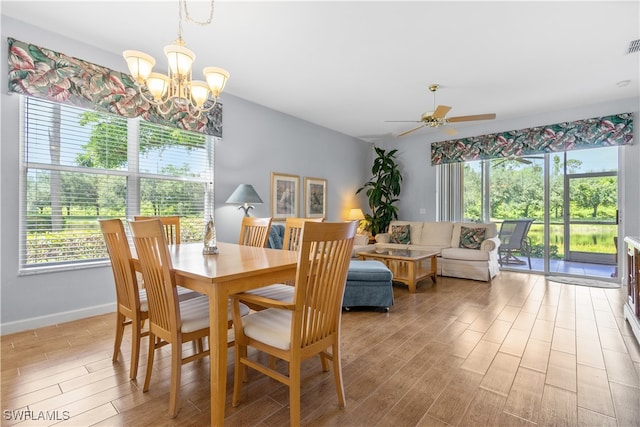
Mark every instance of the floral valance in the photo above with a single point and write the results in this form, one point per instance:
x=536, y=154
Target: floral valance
x=43, y=73
x=587, y=133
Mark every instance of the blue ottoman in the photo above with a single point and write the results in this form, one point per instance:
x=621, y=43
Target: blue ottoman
x=368, y=285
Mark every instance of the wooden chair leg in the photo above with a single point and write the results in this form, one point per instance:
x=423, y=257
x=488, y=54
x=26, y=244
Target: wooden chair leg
x=135, y=350
x=294, y=392
x=272, y=362
x=239, y=374
x=152, y=351
x=176, y=371
x=325, y=362
x=120, y=320
x=337, y=374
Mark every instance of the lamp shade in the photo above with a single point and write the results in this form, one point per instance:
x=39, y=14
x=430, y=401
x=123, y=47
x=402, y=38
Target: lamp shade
x=245, y=193
x=355, y=214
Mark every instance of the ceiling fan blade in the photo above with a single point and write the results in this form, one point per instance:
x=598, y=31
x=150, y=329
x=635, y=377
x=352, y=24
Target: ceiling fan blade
x=523, y=160
x=471, y=118
x=403, y=121
x=440, y=111
x=410, y=130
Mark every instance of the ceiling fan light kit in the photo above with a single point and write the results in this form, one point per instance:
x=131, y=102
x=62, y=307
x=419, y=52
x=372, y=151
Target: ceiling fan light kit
x=437, y=117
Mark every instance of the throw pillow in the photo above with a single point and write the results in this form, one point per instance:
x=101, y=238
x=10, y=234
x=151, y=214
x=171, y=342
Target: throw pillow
x=401, y=234
x=471, y=237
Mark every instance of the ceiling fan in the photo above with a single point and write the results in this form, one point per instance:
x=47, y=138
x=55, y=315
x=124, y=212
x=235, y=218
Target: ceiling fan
x=524, y=160
x=437, y=117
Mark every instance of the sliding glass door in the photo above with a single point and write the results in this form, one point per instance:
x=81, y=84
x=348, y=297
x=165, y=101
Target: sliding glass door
x=571, y=197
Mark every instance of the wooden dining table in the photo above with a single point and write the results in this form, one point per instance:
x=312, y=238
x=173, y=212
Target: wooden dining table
x=235, y=268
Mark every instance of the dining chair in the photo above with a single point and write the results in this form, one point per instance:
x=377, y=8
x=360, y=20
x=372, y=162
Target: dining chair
x=131, y=302
x=131, y=298
x=307, y=326
x=170, y=321
x=280, y=291
x=171, y=226
x=254, y=231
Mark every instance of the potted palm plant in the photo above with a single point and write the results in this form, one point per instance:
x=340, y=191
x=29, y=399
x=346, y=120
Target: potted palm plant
x=382, y=191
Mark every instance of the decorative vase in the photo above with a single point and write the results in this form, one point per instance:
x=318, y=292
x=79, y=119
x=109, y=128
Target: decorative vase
x=210, y=243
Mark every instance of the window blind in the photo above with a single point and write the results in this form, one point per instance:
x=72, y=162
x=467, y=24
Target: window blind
x=80, y=166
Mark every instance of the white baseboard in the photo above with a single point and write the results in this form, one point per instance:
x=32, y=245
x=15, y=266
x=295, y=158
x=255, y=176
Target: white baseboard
x=54, y=319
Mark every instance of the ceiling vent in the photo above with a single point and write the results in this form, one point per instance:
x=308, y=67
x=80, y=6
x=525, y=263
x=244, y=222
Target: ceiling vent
x=634, y=46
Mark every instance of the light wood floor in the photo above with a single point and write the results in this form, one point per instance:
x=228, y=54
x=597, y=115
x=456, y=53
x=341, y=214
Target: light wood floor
x=519, y=351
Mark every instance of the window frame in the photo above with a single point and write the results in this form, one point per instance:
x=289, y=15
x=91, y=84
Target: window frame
x=131, y=173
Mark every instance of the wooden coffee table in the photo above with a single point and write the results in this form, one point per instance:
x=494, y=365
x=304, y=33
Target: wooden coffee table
x=407, y=265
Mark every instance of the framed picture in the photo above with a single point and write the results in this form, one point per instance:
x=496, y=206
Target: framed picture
x=315, y=197
x=284, y=195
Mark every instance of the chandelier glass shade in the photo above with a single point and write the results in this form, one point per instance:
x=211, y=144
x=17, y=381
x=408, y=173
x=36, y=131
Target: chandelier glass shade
x=176, y=89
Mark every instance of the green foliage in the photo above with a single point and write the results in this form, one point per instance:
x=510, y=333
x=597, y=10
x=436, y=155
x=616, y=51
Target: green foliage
x=517, y=191
x=107, y=146
x=63, y=207
x=382, y=191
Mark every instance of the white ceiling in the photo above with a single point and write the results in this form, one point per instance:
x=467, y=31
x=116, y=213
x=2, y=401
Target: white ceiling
x=350, y=66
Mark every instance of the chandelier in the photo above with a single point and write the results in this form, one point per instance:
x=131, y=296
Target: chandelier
x=176, y=89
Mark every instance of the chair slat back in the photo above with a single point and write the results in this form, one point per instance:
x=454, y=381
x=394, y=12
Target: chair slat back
x=124, y=276
x=157, y=271
x=255, y=231
x=320, y=281
x=171, y=226
x=513, y=232
x=293, y=232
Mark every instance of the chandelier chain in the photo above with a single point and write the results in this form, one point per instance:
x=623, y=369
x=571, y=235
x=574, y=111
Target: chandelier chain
x=203, y=23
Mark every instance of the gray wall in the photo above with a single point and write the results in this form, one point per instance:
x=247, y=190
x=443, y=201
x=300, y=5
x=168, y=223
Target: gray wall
x=257, y=141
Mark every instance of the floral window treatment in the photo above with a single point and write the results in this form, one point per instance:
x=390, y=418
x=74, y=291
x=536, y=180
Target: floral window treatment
x=43, y=73
x=588, y=133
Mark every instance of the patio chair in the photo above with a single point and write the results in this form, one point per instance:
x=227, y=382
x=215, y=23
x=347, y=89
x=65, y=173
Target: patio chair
x=513, y=238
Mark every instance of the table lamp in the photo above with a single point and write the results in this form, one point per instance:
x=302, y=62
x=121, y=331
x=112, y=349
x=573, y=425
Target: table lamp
x=356, y=215
x=244, y=195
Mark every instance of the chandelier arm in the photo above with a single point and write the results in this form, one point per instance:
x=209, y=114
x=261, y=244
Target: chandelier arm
x=200, y=110
x=157, y=104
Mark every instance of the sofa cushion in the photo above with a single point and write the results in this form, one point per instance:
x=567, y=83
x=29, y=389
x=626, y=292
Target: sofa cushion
x=491, y=231
x=465, y=254
x=436, y=234
x=415, y=226
x=471, y=237
x=401, y=234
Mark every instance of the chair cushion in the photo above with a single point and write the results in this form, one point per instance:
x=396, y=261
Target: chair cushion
x=183, y=295
x=144, y=305
x=271, y=326
x=195, y=313
x=278, y=292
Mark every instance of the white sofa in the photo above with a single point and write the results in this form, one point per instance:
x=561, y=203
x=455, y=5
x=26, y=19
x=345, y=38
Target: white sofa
x=454, y=261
